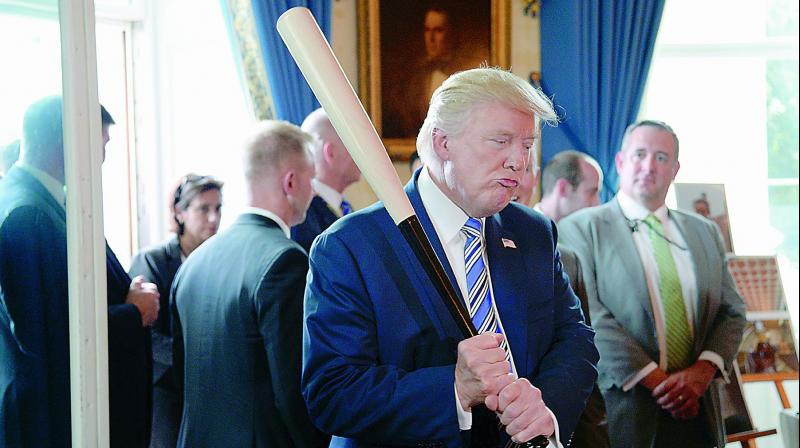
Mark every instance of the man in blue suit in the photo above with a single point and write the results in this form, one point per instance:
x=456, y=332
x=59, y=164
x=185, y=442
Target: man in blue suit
x=34, y=330
x=335, y=171
x=383, y=364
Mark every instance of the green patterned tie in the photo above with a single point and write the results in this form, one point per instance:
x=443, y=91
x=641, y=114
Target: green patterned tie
x=679, y=339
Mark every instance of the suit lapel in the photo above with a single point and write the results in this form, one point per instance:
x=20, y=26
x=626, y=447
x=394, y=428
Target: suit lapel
x=507, y=269
x=117, y=280
x=328, y=215
x=174, y=254
x=430, y=231
x=700, y=264
x=426, y=290
x=622, y=258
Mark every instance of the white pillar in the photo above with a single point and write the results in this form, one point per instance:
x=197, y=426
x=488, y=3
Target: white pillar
x=88, y=315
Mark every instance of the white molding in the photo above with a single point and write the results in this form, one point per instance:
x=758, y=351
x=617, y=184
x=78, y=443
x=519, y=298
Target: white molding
x=769, y=49
x=134, y=11
x=88, y=309
x=783, y=182
x=768, y=315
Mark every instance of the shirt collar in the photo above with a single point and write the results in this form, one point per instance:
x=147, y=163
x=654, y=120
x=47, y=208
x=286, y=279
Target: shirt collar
x=636, y=211
x=446, y=216
x=268, y=214
x=53, y=186
x=326, y=192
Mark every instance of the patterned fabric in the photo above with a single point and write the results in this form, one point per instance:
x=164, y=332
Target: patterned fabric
x=248, y=50
x=346, y=207
x=478, y=283
x=679, y=339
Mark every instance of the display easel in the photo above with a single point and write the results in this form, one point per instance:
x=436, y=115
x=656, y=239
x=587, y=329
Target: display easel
x=759, y=283
x=735, y=414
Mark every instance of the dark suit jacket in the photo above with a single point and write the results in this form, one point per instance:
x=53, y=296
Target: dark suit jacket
x=34, y=319
x=159, y=264
x=592, y=428
x=318, y=218
x=237, y=319
x=379, y=347
x=34, y=380
x=623, y=318
x=130, y=367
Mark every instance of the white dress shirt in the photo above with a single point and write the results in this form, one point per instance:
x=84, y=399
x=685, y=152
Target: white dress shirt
x=268, y=214
x=53, y=186
x=635, y=213
x=332, y=197
x=448, y=219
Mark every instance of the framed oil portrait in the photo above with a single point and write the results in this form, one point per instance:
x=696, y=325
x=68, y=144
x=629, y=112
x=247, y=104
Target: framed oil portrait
x=407, y=49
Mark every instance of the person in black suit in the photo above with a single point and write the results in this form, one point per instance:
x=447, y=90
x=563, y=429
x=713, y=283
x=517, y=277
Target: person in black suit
x=237, y=309
x=34, y=331
x=196, y=209
x=335, y=171
x=592, y=428
x=132, y=308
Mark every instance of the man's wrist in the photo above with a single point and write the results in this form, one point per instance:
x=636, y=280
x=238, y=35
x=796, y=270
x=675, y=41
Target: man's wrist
x=707, y=367
x=653, y=379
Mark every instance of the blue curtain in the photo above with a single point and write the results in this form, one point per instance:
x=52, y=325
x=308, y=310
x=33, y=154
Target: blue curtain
x=595, y=59
x=291, y=94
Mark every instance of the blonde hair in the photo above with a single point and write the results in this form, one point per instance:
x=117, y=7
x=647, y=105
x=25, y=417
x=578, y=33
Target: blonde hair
x=453, y=102
x=273, y=146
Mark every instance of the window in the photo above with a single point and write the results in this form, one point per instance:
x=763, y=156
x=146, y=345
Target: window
x=725, y=76
x=32, y=70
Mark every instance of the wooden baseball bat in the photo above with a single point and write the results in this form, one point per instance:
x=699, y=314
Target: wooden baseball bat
x=316, y=60
x=327, y=80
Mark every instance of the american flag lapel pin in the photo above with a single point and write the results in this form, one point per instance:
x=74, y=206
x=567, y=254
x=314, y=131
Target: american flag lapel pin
x=508, y=243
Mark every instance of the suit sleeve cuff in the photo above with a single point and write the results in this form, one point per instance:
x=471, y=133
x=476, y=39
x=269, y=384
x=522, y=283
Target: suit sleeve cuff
x=717, y=360
x=639, y=376
x=464, y=417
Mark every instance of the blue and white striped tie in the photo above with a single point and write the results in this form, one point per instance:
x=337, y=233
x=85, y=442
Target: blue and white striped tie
x=478, y=283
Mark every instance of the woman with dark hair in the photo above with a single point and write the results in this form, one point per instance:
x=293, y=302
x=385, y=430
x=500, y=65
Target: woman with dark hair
x=195, y=209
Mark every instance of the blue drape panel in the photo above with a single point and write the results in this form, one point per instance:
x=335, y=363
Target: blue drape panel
x=291, y=94
x=595, y=59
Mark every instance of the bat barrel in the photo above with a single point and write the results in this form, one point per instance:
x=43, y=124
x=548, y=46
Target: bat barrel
x=316, y=60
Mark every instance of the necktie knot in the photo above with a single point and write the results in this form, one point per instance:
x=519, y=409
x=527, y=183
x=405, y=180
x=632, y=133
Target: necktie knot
x=345, y=207
x=472, y=228
x=653, y=222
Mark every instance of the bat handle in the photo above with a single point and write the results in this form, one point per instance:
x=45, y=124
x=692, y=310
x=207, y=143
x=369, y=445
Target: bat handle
x=415, y=236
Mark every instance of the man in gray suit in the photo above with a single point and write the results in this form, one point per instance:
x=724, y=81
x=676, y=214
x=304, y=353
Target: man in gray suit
x=237, y=309
x=664, y=306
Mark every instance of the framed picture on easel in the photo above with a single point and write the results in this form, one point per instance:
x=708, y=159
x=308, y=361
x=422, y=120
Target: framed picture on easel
x=767, y=344
x=709, y=201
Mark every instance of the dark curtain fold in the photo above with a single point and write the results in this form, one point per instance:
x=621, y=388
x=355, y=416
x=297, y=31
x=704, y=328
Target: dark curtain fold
x=595, y=58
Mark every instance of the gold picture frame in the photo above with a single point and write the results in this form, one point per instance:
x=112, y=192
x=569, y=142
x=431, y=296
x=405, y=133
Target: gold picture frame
x=388, y=83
